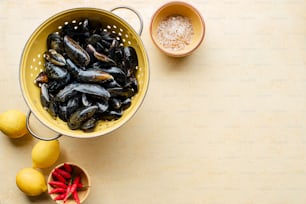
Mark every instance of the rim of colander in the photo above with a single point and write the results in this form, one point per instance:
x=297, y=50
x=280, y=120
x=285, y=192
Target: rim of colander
x=94, y=133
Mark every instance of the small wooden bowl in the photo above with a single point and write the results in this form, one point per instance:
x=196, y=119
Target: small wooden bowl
x=178, y=8
x=85, y=180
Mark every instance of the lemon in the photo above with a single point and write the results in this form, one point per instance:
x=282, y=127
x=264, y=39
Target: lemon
x=13, y=123
x=45, y=153
x=31, y=181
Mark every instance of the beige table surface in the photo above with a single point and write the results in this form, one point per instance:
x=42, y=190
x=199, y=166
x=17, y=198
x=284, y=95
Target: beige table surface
x=226, y=125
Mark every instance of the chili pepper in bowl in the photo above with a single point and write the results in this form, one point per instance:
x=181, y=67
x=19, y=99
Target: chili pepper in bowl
x=58, y=177
x=57, y=184
x=59, y=197
x=63, y=173
x=67, y=167
x=76, y=197
x=72, y=188
x=57, y=190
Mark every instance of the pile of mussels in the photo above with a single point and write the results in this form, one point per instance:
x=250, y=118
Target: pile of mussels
x=89, y=75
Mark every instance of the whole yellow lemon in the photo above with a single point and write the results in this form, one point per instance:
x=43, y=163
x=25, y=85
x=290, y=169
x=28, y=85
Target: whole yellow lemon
x=45, y=153
x=13, y=123
x=31, y=181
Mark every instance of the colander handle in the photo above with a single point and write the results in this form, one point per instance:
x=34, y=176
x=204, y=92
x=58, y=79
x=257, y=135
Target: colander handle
x=134, y=11
x=34, y=134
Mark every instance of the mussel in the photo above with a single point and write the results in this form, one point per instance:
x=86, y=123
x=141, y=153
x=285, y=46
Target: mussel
x=41, y=78
x=77, y=118
x=54, y=57
x=55, y=72
x=55, y=42
x=75, y=52
x=71, y=90
x=44, y=96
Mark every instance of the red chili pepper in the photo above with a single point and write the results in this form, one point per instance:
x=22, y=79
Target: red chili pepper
x=57, y=184
x=72, y=188
x=75, y=183
x=57, y=190
x=58, y=177
x=80, y=185
x=59, y=197
x=62, y=172
x=67, y=167
x=67, y=194
x=76, y=197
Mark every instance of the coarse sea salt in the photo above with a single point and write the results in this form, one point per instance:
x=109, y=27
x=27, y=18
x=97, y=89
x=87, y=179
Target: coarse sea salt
x=175, y=32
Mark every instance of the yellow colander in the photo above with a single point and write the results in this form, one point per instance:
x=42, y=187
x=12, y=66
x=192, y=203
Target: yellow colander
x=32, y=62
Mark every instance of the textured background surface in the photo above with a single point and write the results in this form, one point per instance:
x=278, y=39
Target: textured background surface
x=226, y=125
